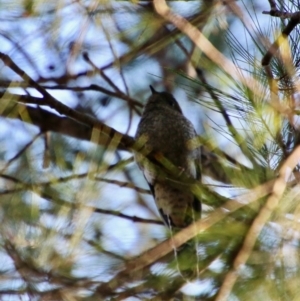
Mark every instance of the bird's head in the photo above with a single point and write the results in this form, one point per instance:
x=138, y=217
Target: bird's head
x=163, y=100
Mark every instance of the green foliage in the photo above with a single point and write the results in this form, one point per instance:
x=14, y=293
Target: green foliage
x=75, y=211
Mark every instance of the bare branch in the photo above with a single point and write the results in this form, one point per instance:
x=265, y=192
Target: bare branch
x=92, y=87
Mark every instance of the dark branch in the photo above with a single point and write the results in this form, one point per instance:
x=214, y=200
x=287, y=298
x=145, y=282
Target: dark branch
x=48, y=100
x=293, y=22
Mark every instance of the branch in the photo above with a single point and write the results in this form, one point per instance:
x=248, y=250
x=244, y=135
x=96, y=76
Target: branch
x=91, y=87
x=274, y=12
x=264, y=215
x=59, y=180
x=294, y=21
x=214, y=55
x=45, y=120
x=49, y=122
x=275, y=46
x=153, y=255
x=48, y=100
x=44, y=194
x=273, y=49
x=205, y=46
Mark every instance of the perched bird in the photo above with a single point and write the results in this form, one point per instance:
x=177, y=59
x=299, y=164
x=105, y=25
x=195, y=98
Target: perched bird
x=166, y=135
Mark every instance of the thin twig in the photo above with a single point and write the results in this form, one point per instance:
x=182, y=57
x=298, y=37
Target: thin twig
x=281, y=14
x=76, y=177
x=44, y=194
x=92, y=87
x=272, y=4
x=22, y=150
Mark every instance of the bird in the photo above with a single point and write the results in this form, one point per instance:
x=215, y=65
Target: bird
x=165, y=133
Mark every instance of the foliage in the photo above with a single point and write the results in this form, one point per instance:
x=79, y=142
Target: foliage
x=78, y=222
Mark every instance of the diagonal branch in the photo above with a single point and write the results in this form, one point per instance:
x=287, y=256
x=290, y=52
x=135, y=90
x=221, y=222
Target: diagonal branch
x=45, y=120
x=205, y=45
x=153, y=255
x=215, y=56
x=53, y=103
x=258, y=224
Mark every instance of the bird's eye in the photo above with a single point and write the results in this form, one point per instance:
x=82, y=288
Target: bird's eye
x=168, y=99
x=171, y=102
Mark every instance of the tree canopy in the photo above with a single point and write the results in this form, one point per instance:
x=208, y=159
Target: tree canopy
x=78, y=221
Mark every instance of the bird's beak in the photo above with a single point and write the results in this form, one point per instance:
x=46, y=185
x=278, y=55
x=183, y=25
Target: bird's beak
x=152, y=90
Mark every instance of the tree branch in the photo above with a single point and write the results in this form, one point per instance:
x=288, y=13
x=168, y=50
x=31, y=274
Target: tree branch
x=153, y=255
x=264, y=215
x=48, y=100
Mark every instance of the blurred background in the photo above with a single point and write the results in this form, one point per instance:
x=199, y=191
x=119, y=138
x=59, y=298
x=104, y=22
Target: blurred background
x=75, y=208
